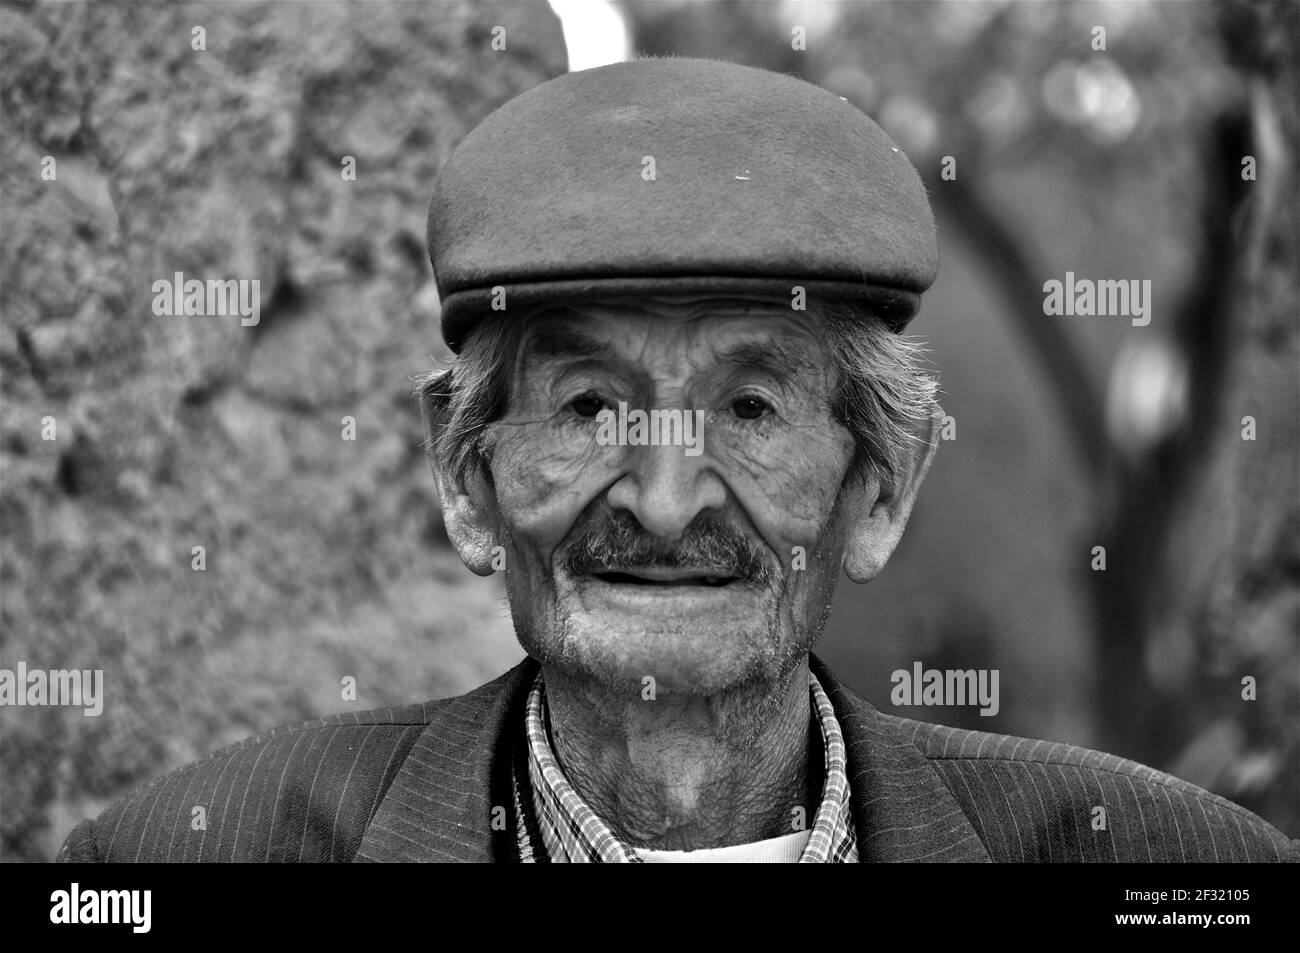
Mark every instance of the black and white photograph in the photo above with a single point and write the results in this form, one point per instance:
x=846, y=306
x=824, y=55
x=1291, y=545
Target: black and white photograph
x=620, y=431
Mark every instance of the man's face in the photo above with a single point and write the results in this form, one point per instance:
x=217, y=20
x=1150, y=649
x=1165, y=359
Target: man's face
x=704, y=570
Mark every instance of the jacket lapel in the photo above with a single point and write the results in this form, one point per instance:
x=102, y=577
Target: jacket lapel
x=902, y=809
x=440, y=804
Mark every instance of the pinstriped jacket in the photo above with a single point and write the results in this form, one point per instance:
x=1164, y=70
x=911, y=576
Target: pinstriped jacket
x=431, y=782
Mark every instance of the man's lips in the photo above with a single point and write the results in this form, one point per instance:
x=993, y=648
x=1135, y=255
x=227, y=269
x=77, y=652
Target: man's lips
x=661, y=576
x=702, y=592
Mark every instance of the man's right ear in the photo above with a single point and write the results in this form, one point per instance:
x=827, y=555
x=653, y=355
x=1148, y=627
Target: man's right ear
x=469, y=525
x=466, y=508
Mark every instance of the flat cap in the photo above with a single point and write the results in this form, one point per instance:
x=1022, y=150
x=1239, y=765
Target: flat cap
x=674, y=175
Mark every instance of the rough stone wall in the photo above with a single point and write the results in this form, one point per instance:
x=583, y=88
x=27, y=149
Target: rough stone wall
x=325, y=557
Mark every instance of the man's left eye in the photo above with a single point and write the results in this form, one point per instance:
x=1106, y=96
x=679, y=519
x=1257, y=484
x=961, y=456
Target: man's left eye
x=749, y=408
x=587, y=405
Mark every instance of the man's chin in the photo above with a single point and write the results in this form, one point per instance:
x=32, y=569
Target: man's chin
x=644, y=655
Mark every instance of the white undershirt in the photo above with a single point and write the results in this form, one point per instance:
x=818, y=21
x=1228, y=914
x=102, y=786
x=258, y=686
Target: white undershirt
x=785, y=849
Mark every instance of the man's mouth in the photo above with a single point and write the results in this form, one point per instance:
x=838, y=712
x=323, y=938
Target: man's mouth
x=658, y=576
x=643, y=591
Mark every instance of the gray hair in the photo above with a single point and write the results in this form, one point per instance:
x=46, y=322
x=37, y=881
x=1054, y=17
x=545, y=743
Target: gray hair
x=883, y=392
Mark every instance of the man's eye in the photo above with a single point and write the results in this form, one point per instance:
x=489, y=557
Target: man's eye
x=749, y=408
x=587, y=405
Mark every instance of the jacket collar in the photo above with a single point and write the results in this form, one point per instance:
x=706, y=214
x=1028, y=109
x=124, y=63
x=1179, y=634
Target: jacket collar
x=450, y=800
x=902, y=808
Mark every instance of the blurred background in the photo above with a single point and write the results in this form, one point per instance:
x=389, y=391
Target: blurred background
x=326, y=558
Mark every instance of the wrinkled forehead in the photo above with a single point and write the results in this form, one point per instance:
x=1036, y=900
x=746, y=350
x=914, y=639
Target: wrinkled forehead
x=698, y=331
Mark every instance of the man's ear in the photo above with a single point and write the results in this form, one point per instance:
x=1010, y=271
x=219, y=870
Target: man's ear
x=467, y=505
x=878, y=515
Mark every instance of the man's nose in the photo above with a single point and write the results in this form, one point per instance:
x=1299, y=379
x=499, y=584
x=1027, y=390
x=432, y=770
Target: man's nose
x=665, y=489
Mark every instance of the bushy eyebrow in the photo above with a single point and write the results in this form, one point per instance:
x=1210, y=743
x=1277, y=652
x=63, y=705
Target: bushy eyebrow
x=556, y=341
x=754, y=354
x=562, y=341
x=780, y=358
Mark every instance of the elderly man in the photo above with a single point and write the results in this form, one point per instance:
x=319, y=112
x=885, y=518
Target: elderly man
x=680, y=407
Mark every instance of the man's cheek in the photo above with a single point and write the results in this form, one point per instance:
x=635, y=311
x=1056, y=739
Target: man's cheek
x=545, y=476
x=789, y=485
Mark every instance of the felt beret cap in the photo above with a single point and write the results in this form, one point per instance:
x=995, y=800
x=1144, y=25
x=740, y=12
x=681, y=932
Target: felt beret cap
x=761, y=182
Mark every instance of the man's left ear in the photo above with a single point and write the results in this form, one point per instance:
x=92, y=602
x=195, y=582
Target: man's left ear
x=878, y=515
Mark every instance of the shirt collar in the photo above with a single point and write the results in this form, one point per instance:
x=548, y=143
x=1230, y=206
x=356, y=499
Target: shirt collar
x=566, y=830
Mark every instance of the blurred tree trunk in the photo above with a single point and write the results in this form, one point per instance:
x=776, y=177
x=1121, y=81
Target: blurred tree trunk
x=1235, y=552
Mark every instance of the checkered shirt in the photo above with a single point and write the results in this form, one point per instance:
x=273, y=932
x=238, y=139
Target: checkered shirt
x=557, y=826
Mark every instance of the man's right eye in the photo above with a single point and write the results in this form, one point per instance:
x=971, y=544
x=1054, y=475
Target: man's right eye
x=587, y=405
